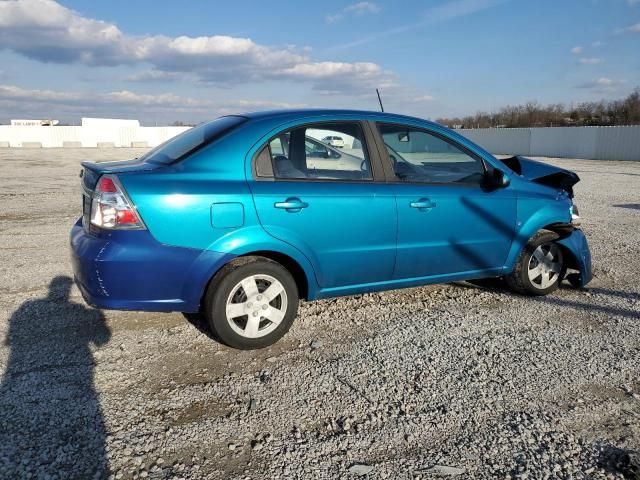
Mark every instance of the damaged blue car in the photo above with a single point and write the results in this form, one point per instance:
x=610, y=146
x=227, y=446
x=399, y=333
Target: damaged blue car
x=241, y=217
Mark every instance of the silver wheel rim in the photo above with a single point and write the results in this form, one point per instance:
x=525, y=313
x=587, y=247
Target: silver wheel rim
x=545, y=266
x=256, y=306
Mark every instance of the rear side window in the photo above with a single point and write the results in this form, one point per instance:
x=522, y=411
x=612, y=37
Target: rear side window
x=324, y=151
x=421, y=156
x=180, y=146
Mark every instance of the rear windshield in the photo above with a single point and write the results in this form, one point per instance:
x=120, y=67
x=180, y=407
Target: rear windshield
x=188, y=142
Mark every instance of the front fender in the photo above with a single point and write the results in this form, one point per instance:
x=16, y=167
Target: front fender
x=533, y=215
x=576, y=244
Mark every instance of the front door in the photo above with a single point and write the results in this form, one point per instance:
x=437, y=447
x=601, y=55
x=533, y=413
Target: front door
x=448, y=224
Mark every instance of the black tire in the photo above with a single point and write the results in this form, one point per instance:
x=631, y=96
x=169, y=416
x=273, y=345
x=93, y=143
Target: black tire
x=221, y=287
x=519, y=281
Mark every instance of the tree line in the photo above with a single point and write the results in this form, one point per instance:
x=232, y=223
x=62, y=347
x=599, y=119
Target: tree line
x=533, y=114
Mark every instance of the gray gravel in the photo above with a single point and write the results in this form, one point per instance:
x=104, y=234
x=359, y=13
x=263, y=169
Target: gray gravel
x=454, y=381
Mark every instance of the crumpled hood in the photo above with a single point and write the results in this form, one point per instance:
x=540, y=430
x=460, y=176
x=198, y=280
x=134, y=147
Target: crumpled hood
x=543, y=173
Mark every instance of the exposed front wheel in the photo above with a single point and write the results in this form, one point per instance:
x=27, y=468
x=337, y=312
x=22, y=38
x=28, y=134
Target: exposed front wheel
x=540, y=266
x=251, y=303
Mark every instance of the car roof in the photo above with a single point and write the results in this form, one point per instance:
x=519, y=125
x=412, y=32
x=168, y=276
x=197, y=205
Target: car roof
x=306, y=112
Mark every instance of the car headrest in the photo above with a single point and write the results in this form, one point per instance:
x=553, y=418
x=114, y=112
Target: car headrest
x=285, y=168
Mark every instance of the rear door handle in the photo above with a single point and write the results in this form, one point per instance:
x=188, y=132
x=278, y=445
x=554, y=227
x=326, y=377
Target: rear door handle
x=423, y=204
x=291, y=205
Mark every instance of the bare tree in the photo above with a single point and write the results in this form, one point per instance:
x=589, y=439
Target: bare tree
x=533, y=114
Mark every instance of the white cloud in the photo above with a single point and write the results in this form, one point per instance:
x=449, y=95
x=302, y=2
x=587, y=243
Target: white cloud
x=333, y=18
x=152, y=76
x=125, y=102
x=597, y=44
x=591, y=61
x=362, y=8
x=358, y=9
x=424, y=98
x=434, y=15
x=576, y=50
x=46, y=31
x=12, y=92
x=602, y=84
x=633, y=28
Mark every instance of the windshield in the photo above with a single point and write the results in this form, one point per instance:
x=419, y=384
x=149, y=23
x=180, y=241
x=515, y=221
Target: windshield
x=189, y=141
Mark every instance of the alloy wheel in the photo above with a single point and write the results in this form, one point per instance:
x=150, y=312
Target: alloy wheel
x=256, y=306
x=545, y=266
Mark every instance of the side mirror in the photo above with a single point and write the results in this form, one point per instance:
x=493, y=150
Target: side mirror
x=498, y=179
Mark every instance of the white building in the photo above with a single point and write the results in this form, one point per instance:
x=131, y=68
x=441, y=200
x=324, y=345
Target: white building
x=109, y=122
x=34, y=123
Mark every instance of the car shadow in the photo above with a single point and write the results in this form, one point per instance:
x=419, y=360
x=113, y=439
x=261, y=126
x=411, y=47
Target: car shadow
x=475, y=259
x=51, y=424
x=199, y=321
x=633, y=206
x=498, y=285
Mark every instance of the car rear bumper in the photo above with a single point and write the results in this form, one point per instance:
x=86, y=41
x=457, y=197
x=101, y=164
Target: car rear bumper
x=577, y=245
x=130, y=270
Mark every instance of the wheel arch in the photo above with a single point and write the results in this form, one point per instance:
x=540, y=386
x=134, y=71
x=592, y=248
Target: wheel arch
x=535, y=214
x=295, y=269
x=302, y=275
x=564, y=230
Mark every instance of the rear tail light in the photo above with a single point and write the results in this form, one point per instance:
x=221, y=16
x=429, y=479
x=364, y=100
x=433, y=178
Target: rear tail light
x=111, y=208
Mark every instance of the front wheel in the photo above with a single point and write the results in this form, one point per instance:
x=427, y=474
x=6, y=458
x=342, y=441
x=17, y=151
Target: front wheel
x=540, y=266
x=251, y=303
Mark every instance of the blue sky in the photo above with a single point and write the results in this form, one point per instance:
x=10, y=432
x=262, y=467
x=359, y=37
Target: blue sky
x=193, y=60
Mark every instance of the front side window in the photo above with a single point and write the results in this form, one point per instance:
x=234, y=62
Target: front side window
x=324, y=151
x=420, y=156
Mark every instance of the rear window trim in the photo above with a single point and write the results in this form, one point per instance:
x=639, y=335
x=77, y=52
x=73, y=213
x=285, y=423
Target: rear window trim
x=207, y=142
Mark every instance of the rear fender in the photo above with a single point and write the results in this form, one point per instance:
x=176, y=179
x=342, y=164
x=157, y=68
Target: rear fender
x=247, y=240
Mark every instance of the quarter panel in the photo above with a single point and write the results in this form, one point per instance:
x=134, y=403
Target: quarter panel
x=176, y=206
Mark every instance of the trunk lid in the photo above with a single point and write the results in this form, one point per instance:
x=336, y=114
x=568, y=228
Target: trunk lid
x=543, y=173
x=91, y=171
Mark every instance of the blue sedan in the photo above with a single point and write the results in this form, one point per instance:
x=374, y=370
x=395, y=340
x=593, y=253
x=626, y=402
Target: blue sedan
x=242, y=216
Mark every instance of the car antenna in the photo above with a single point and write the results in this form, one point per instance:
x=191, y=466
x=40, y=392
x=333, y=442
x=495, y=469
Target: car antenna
x=380, y=100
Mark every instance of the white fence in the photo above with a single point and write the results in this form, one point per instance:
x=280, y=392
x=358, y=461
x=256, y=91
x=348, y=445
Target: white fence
x=46, y=137
x=596, y=143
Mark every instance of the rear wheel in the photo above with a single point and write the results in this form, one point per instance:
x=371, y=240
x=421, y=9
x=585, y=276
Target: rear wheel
x=251, y=303
x=540, y=266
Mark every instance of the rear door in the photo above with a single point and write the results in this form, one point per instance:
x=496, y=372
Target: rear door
x=330, y=208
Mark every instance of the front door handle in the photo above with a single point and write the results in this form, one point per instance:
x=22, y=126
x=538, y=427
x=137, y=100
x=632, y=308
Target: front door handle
x=423, y=204
x=291, y=205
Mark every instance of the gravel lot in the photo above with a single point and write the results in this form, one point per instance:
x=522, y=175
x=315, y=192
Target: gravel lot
x=450, y=380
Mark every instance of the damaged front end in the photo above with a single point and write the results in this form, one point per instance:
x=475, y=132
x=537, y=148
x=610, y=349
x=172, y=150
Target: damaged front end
x=572, y=239
x=543, y=173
